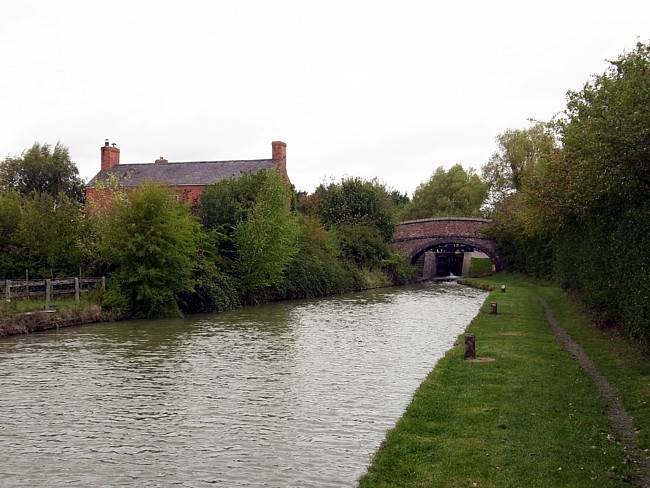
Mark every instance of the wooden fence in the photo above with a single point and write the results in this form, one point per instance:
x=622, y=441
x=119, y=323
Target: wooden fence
x=12, y=289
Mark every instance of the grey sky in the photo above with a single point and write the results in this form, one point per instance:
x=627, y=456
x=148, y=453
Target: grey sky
x=373, y=89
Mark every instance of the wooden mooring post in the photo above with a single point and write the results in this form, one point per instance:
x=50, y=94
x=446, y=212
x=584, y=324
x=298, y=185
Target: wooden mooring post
x=470, y=346
x=8, y=290
x=103, y=283
x=76, y=291
x=48, y=294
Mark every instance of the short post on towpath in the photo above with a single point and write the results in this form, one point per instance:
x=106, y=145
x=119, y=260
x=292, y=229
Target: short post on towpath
x=470, y=346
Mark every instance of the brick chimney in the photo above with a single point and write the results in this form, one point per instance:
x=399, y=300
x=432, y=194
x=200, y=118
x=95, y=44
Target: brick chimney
x=279, y=155
x=110, y=156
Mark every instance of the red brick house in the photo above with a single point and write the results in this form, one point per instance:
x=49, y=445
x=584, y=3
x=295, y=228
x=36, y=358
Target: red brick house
x=187, y=178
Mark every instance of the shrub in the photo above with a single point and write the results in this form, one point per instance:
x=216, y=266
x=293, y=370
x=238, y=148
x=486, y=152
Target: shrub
x=41, y=234
x=363, y=245
x=151, y=242
x=355, y=202
x=266, y=238
x=316, y=269
x=213, y=291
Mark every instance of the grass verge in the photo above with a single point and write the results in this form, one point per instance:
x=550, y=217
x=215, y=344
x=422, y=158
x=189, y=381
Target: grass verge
x=480, y=267
x=530, y=418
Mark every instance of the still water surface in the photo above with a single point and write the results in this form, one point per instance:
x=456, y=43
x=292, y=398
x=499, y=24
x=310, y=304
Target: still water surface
x=293, y=394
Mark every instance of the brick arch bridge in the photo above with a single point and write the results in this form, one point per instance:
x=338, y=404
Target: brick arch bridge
x=443, y=236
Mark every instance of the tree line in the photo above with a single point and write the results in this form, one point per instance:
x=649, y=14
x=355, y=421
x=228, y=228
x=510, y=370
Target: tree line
x=246, y=240
x=569, y=199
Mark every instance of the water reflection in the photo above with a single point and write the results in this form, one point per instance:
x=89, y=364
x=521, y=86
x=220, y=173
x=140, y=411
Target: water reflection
x=289, y=394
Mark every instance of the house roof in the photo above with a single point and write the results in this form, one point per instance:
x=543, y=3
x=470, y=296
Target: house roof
x=181, y=173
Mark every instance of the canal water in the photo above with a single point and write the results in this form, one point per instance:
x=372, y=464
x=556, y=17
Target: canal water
x=292, y=394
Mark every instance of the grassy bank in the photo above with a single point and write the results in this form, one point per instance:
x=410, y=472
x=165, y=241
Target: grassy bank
x=22, y=316
x=530, y=418
x=45, y=320
x=25, y=305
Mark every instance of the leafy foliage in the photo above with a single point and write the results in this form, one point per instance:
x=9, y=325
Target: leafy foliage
x=455, y=192
x=213, y=290
x=266, y=239
x=42, y=169
x=363, y=245
x=151, y=241
x=227, y=202
x=160, y=260
x=355, y=201
x=520, y=154
x=582, y=215
x=316, y=269
x=39, y=234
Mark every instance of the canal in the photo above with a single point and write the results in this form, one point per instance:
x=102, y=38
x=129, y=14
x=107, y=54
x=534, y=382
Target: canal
x=291, y=394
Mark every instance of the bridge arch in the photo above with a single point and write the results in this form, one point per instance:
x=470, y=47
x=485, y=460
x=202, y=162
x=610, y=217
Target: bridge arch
x=456, y=240
x=414, y=238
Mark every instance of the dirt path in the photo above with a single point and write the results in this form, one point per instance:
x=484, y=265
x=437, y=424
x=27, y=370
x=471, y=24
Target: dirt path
x=618, y=416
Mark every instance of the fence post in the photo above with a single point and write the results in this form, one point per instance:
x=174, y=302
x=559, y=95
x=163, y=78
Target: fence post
x=76, y=290
x=8, y=290
x=48, y=293
x=103, y=283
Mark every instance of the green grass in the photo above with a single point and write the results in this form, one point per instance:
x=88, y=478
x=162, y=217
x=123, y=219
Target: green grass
x=531, y=418
x=480, y=267
x=24, y=305
x=626, y=368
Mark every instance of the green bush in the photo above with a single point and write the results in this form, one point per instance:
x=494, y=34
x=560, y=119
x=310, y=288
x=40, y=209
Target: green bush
x=151, y=242
x=398, y=269
x=374, y=278
x=41, y=234
x=213, y=291
x=362, y=245
x=316, y=269
x=582, y=215
x=266, y=238
x=356, y=202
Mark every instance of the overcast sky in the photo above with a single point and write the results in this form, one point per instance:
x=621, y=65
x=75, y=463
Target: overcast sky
x=373, y=89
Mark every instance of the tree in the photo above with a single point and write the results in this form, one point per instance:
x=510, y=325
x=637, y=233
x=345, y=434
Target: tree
x=227, y=202
x=354, y=201
x=224, y=205
x=10, y=210
x=520, y=153
x=455, y=192
x=578, y=210
x=151, y=242
x=42, y=169
x=39, y=234
x=266, y=238
x=606, y=138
